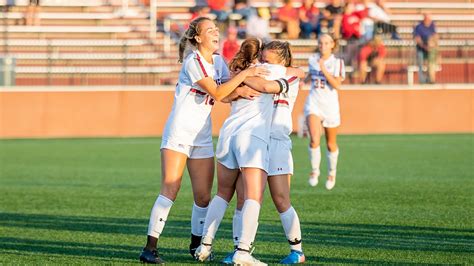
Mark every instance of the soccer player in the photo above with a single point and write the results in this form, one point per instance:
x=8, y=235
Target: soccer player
x=242, y=145
x=322, y=107
x=280, y=159
x=187, y=139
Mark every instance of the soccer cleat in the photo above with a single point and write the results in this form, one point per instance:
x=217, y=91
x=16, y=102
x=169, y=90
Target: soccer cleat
x=204, y=253
x=195, y=242
x=330, y=183
x=295, y=257
x=228, y=258
x=244, y=258
x=151, y=256
x=313, y=179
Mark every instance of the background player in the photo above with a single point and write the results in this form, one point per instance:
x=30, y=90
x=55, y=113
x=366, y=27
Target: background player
x=322, y=107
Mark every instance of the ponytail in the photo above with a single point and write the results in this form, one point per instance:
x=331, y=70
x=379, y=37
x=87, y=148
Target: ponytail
x=189, y=36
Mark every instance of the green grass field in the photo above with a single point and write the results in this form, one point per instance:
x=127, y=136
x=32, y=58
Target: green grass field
x=398, y=199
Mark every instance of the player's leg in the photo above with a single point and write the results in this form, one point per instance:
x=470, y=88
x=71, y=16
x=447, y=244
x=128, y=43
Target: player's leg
x=315, y=131
x=201, y=172
x=236, y=219
x=332, y=156
x=280, y=191
x=172, y=167
x=226, y=179
x=254, y=180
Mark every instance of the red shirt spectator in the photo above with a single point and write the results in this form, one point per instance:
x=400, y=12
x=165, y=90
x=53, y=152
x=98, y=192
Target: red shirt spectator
x=290, y=18
x=217, y=4
x=230, y=46
x=351, y=21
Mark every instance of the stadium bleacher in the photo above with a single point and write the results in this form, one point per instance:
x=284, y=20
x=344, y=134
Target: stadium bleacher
x=89, y=42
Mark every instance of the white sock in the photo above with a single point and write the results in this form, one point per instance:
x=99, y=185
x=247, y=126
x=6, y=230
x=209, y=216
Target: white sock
x=237, y=226
x=250, y=213
x=198, y=217
x=315, y=159
x=332, y=162
x=158, y=216
x=291, y=225
x=215, y=213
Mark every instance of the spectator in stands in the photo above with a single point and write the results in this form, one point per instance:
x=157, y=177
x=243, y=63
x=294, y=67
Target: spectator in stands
x=351, y=20
x=219, y=8
x=334, y=17
x=242, y=8
x=325, y=23
x=259, y=25
x=199, y=11
x=422, y=33
x=289, y=16
x=433, y=57
x=309, y=15
x=230, y=46
x=372, y=54
x=380, y=14
x=32, y=17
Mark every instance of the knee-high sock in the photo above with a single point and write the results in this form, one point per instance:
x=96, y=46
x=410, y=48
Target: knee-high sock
x=198, y=217
x=158, y=216
x=291, y=225
x=250, y=213
x=237, y=226
x=315, y=159
x=332, y=162
x=215, y=213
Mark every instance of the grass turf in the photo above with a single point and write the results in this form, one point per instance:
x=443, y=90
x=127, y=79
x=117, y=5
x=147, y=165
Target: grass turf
x=398, y=199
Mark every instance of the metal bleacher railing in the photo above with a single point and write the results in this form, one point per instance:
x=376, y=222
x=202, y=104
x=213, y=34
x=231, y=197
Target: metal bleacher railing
x=110, y=42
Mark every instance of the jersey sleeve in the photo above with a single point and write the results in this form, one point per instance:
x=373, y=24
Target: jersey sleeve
x=294, y=85
x=340, y=69
x=224, y=69
x=195, y=69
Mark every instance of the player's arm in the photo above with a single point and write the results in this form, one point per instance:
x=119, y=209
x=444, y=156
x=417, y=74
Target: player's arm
x=335, y=82
x=241, y=92
x=218, y=92
x=267, y=86
x=295, y=71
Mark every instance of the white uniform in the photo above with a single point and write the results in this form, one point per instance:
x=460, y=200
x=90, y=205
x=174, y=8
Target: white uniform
x=281, y=159
x=245, y=135
x=323, y=100
x=188, y=129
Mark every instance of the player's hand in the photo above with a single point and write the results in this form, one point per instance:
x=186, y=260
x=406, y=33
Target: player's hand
x=321, y=63
x=258, y=72
x=247, y=93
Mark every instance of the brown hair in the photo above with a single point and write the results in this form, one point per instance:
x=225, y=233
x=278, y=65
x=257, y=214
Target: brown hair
x=189, y=36
x=282, y=49
x=248, y=52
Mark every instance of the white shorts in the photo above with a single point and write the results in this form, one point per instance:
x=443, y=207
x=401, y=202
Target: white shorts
x=280, y=157
x=329, y=115
x=193, y=152
x=242, y=151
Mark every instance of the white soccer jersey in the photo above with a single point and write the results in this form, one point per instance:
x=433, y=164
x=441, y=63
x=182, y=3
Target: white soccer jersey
x=282, y=123
x=323, y=99
x=189, y=122
x=253, y=117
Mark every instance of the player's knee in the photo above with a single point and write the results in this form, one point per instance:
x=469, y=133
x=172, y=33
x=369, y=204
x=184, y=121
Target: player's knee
x=281, y=201
x=332, y=146
x=170, y=191
x=313, y=144
x=202, y=200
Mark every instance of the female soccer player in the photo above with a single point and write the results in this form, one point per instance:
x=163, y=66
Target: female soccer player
x=322, y=106
x=280, y=159
x=187, y=139
x=243, y=144
x=252, y=161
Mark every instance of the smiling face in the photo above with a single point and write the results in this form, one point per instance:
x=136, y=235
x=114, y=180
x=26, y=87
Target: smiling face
x=326, y=45
x=208, y=37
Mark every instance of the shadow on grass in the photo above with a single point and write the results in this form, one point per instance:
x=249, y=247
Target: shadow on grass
x=386, y=237
x=360, y=236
